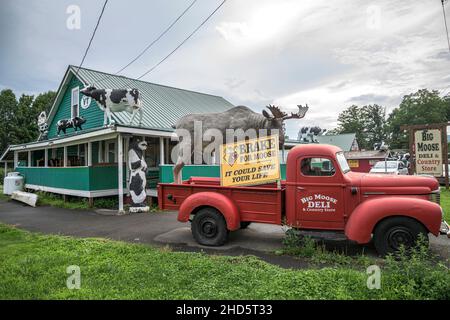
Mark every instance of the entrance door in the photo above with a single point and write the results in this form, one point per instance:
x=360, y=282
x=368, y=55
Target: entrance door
x=319, y=194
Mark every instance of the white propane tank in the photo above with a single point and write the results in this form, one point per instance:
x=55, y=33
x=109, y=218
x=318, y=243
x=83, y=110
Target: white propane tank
x=12, y=182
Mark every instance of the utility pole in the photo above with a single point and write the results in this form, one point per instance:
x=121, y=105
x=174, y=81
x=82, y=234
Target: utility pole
x=445, y=23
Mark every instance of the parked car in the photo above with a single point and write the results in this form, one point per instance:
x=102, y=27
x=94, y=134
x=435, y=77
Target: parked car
x=390, y=167
x=392, y=210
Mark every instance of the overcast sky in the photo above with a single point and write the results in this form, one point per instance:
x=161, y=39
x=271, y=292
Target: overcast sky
x=329, y=54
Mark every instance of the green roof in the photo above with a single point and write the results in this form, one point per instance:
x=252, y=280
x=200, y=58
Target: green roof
x=162, y=105
x=343, y=141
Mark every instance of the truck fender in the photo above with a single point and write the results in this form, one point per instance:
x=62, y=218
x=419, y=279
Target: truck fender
x=365, y=217
x=211, y=199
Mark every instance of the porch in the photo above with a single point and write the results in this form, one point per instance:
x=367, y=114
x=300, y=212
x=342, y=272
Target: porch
x=91, y=164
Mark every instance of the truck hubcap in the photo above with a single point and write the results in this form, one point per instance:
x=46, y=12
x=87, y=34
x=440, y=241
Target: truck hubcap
x=208, y=228
x=399, y=237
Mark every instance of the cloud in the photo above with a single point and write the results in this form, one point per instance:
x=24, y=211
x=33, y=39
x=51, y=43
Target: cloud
x=329, y=54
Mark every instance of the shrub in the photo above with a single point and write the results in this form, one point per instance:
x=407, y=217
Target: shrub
x=106, y=203
x=417, y=273
x=305, y=247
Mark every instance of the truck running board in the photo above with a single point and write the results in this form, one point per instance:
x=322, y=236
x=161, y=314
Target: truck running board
x=324, y=235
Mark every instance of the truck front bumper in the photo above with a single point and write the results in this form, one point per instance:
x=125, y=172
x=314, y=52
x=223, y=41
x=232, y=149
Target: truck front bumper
x=445, y=228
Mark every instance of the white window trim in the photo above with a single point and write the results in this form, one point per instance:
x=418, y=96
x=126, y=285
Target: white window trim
x=77, y=89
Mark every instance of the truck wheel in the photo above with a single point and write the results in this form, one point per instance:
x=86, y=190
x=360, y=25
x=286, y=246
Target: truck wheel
x=395, y=232
x=209, y=227
x=245, y=224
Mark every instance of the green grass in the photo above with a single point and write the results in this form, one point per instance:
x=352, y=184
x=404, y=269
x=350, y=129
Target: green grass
x=3, y=196
x=33, y=266
x=445, y=203
x=317, y=255
x=54, y=200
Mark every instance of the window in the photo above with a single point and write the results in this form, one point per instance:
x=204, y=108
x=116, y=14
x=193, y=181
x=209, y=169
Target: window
x=319, y=167
x=75, y=103
x=152, y=153
x=111, y=158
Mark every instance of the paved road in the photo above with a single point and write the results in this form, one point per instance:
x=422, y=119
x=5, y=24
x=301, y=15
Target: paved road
x=163, y=229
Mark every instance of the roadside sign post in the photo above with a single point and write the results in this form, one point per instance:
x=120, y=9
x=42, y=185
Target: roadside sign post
x=428, y=145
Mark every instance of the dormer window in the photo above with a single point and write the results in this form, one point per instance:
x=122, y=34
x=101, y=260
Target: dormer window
x=75, y=103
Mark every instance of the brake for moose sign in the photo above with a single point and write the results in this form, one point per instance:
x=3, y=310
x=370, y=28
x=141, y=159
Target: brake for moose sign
x=250, y=162
x=428, y=149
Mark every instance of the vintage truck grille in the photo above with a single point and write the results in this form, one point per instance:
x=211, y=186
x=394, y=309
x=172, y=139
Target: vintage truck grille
x=435, y=197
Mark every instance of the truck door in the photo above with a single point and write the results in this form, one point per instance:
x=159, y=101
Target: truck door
x=319, y=194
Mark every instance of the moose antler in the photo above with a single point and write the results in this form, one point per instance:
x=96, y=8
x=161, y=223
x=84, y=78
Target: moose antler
x=277, y=113
x=300, y=114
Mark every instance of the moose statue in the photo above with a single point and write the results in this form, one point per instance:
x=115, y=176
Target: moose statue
x=115, y=100
x=239, y=117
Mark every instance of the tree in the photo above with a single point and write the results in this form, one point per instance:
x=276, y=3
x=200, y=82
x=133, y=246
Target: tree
x=22, y=129
x=351, y=121
x=43, y=102
x=421, y=107
x=374, y=117
x=8, y=104
x=19, y=118
x=367, y=122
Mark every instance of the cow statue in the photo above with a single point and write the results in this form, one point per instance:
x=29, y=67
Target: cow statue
x=138, y=169
x=309, y=134
x=64, y=124
x=42, y=125
x=115, y=100
x=239, y=117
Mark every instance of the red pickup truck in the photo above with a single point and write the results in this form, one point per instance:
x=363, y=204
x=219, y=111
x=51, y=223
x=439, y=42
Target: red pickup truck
x=319, y=193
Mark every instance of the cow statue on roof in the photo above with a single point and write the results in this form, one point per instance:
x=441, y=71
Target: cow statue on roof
x=75, y=123
x=309, y=134
x=116, y=100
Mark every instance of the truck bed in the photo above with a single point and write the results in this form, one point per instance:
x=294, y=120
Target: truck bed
x=262, y=203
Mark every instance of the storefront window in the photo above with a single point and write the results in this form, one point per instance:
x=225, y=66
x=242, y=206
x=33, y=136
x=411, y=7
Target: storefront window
x=152, y=152
x=111, y=152
x=56, y=157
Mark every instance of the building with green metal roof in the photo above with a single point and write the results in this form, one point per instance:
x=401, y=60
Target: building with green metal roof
x=345, y=141
x=86, y=163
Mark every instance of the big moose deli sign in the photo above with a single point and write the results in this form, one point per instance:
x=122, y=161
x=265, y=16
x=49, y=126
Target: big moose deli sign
x=428, y=151
x=250, y=162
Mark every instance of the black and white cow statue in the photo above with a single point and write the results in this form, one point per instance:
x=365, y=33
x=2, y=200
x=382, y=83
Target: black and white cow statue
x=42, y=125
x=64, y=124
x=116, y=100
x=138, y=169
x=309, y=134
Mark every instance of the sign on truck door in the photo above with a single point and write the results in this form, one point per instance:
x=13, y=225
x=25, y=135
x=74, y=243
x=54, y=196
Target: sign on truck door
x=319, y=192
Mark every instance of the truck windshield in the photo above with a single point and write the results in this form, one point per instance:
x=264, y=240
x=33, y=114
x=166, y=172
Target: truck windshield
x=342, y=162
